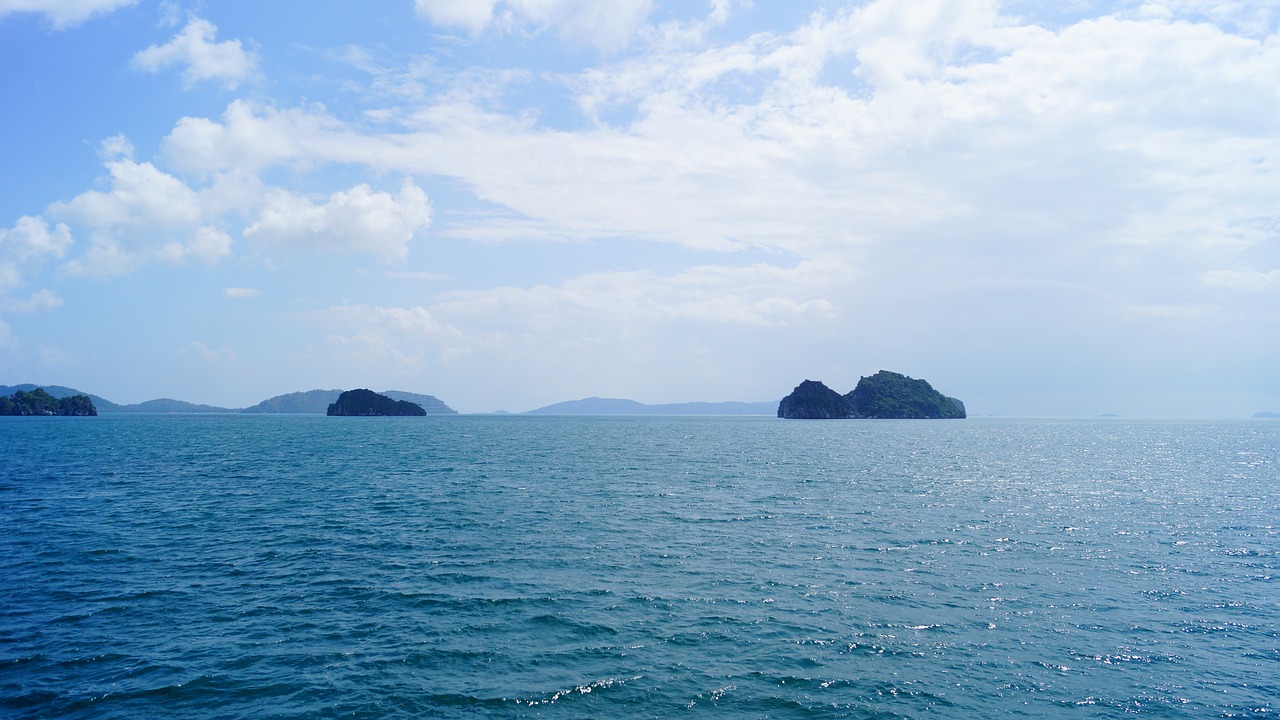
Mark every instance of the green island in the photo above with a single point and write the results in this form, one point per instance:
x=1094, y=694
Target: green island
x=39, y=402
x=885, y=395
x=367, y=403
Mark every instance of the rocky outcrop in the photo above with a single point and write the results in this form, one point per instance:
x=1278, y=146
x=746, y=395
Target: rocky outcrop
x=811, y=400
x=880, y=396
x=366, y=403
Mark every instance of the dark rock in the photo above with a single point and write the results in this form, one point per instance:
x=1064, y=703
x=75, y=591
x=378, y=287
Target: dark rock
x=366, y=403
x=811, y=400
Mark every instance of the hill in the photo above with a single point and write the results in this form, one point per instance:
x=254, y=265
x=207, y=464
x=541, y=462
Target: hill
x=318, y=402
x=367, y=403
x=885, y=395
x=59, y=391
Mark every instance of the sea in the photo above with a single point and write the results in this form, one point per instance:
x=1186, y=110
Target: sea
x=477, y=566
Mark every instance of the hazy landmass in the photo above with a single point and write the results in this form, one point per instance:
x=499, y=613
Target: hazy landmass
x=309, y=402
x=618, y=406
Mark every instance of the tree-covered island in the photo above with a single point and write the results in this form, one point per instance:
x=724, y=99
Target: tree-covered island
x=883, y=395
x=367, y=403
x=39, y=402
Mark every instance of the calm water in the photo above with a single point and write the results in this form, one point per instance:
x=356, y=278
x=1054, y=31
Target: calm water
x=313, y=567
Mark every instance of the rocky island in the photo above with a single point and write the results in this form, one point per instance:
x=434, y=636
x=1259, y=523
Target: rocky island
x=39, y=402
x=881, y=396
x=367, y=403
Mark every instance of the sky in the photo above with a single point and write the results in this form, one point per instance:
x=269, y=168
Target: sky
x=1044, y=209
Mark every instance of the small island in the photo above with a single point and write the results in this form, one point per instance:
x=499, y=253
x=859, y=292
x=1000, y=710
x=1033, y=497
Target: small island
x=39, y=402
x=367, y=403
x=885, y=395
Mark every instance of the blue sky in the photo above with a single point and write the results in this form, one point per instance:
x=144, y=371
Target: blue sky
x=509, y=203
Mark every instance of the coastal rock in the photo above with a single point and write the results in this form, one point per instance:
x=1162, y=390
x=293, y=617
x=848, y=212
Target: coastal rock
x=366, y=403
x=811, y=400
x=881, y=396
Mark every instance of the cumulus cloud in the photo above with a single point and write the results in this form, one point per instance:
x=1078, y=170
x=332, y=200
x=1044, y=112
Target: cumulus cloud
x=27, y=246
x=140, y=195
x=607, y=26
x=208, y=246
x=202, y=58
x=242, y=293
x=359, y=219
x=63, y=14
x=251, y=138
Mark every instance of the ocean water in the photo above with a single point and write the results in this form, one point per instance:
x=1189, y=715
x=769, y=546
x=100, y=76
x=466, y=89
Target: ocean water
x=568, y=567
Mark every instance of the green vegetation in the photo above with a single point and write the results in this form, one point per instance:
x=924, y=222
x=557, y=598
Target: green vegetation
x=811, y=400
x=39, y=402
x=891, y=395
x=883, y=395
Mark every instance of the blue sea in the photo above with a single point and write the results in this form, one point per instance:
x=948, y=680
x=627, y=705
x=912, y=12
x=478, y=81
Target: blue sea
x=610, y=567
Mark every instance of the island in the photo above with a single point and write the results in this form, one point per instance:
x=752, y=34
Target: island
x=39, y=402
x=885, y=395
x=316, y=401
x=367, y=403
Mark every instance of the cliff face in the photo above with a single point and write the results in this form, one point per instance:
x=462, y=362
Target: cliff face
x=883, y=395
x=366, y=403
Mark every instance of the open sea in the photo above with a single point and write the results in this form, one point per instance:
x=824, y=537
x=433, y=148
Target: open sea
x=258, y=566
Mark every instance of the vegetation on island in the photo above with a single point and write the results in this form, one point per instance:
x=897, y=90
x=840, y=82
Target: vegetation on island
x=39, y=402
x=367, y=403
x=880, y=396
x=892, y=395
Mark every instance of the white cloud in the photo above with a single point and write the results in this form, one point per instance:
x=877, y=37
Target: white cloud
x=470, y=15
x=359, y=219
x=26, y=246
x=63, y=13
x=208, y=246
x=242, y=293
x=197, y=350
x=251, y=138
x=607, y=26
x=31, y=239
x=141, y=195
x=1242, y=280
x=204, y=59
x=148, y=214
x=38, y=301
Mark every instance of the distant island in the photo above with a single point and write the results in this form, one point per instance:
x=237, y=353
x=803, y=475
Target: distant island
x=318, y=401
x=885, y=395
x=367, y=403
x=39, y=402
x=616, y=406
x=1267, y=414
x=311, y=401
